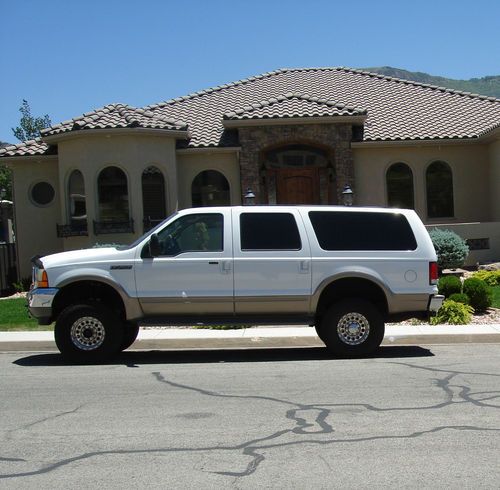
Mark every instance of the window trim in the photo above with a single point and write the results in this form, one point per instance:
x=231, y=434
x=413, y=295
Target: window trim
x=33, y=201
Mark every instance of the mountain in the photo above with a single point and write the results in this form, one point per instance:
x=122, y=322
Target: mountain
x=489, y=85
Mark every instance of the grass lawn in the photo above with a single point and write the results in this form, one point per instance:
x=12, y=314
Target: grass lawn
x=14, y=316
x=496, y=297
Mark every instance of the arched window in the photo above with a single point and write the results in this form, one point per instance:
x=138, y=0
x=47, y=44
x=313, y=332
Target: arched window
x=439, y=186
x=399, y=179
x=77, y=207
x=210, y=188
x=112, y=188
x=295, y=156
x=153, y=197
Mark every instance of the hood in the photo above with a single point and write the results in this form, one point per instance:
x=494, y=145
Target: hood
x=85, y=256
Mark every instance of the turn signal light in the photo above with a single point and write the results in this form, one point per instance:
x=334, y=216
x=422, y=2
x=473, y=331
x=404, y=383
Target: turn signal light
x=43, y=282
x=433, y=273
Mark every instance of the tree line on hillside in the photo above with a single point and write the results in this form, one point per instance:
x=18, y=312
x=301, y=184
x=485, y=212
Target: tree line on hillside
x=489, y=85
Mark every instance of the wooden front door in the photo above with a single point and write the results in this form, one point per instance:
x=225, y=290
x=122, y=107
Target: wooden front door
x=297, y=186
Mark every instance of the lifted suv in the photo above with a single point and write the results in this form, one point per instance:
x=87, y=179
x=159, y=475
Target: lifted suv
x=343, y=270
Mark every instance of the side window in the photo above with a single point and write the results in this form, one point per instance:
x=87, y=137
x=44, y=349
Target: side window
x=269, y=231
x=193, y=233
x=399, y=179
x=362, y=231
x=439, y=187
x=76, y=199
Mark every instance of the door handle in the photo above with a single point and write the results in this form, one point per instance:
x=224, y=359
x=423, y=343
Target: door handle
x=213, y=263
x=304, y=266
x=226, y=266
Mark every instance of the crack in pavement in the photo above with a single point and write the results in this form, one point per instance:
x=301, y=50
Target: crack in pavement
x=9, y=432
x=296, y=413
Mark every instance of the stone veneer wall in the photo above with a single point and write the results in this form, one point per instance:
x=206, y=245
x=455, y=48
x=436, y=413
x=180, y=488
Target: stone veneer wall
x=255, y=139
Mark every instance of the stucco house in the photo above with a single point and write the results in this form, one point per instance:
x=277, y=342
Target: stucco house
x=290, y=136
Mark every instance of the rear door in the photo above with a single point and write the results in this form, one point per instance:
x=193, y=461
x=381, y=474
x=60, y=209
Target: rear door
x=272, y=262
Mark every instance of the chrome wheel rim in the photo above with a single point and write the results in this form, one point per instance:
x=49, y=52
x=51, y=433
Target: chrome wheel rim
x=353, y=328
x=87, y=333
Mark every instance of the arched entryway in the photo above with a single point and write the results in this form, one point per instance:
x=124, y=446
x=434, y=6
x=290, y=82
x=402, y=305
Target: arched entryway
x=297, y=174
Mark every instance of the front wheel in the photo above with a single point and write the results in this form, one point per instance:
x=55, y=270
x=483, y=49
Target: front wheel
x=88, y=332
x=130, y=332
x=351, y=328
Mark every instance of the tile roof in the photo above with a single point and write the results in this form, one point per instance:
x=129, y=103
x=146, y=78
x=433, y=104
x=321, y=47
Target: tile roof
x=28, y=148
x=292, y=105
x=116, y=116
x=397, y=109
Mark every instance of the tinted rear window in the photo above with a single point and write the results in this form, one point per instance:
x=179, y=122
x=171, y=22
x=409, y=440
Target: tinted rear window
x=362, y=231
x=269, y=231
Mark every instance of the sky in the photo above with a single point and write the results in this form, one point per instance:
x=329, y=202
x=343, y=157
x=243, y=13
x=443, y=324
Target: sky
x=67, y=57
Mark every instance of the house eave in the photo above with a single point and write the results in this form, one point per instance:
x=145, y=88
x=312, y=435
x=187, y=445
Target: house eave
x=110, y=132
x=9, y=161
x=417, y=142
x=286, y=121
x=208, y=149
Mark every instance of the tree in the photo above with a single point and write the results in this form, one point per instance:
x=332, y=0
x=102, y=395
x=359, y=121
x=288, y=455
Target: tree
x=6, y=182
x=29, y=126
x=5, y=177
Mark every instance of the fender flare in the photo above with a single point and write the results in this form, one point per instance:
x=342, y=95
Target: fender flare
x=132, y=306
x=350, y=274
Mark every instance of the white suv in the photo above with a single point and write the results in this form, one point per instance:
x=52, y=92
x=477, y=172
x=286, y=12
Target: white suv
x=344, y=270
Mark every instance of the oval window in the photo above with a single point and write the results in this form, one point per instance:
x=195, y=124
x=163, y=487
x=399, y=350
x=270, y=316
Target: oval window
x=42, y=194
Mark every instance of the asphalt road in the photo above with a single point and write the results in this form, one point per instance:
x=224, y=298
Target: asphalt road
x=410, y=417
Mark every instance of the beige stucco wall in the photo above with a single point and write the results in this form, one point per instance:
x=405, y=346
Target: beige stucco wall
x=494, y=156
x=490, y=230
x=190, y=164
x=469, y=164
x=35, y=226
x=132, y=153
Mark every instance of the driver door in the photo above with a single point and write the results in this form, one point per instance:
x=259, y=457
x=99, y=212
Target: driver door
x=193, y=275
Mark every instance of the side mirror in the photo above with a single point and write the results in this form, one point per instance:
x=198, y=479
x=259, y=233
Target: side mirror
x=154, y=245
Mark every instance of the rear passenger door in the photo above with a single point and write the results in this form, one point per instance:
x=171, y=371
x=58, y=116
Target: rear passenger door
x=272, y=262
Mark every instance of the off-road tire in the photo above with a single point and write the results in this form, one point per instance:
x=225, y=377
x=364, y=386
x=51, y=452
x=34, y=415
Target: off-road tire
x=130, y=332
x=88, y=332
x=352, y=328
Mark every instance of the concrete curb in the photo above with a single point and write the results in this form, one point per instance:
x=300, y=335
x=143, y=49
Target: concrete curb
x=262, y=337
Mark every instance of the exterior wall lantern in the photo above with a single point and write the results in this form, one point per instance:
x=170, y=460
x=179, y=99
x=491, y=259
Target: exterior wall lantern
x=249, y=197
x=347, y=196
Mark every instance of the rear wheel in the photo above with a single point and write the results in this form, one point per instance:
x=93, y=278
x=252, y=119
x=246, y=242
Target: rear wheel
x=351, y=328
x=88, y=332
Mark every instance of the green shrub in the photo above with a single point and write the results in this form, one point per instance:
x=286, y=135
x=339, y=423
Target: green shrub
x=448, y=285
x=22, y=285
x=453, y=313
x=491, y=278
x=450, y=248
x=479, y=294
x=460, y=298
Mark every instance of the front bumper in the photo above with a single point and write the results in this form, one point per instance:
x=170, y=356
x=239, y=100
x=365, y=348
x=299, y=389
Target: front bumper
x=40, y=304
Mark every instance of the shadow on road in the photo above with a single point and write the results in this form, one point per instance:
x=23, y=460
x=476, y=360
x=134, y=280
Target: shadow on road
x=134, y=358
